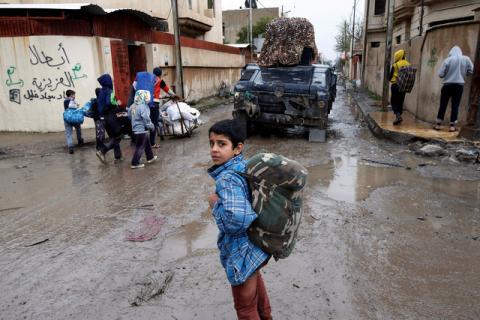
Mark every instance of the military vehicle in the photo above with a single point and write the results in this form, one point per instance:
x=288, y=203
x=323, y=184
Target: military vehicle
x=286, y=97
x=285, y=90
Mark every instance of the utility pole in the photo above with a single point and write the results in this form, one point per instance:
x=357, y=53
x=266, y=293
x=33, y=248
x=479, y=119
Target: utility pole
x=250, y=19
x=178, y=51
x=345, y=44
x=388, y=53
x=364, y=51
x=353, y=40
x=422, y=12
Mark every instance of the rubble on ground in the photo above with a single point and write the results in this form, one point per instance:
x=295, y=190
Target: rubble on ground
x=451, y=153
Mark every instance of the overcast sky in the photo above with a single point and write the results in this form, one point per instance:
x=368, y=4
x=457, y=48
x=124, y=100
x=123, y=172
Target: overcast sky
x=325, y=15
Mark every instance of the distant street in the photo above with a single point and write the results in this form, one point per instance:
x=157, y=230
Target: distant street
x=378, y=240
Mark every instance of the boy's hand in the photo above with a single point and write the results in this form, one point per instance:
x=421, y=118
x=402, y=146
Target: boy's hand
x=212, y=199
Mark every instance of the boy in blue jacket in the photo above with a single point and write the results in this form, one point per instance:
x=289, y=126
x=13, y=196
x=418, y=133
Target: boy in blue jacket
x=233, y=213
x=70, y=102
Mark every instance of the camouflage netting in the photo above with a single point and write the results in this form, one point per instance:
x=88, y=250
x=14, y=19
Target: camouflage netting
x=285, y=39
x=277, y=186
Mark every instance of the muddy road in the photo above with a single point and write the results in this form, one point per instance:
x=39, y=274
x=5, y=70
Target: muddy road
x=377, y=241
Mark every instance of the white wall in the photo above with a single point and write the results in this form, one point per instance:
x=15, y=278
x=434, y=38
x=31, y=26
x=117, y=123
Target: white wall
x=35, y=72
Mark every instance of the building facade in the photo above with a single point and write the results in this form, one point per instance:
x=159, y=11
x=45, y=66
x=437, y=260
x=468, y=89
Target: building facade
x=426, y=30
x=235, y=20
x=46, y=49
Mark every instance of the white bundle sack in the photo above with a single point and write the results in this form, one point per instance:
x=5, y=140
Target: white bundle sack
x=175, y=109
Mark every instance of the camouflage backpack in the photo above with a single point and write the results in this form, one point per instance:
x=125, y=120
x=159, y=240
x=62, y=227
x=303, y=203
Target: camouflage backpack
x=276, y=184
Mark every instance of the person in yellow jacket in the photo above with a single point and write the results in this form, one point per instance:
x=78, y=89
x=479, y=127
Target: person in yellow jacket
x=397, y=97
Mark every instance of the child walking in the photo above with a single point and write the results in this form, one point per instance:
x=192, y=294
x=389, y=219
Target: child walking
x=70, y=102
x=139, y=114
x=107, y=105
x=233, y=213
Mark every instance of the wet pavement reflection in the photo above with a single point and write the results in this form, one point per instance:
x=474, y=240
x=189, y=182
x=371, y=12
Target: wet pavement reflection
x=385, y=234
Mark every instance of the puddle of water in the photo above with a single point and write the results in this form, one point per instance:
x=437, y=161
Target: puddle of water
x=347, y=179
x=193, y=236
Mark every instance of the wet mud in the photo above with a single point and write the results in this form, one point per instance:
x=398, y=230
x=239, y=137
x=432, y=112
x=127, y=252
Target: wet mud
x=378, y=240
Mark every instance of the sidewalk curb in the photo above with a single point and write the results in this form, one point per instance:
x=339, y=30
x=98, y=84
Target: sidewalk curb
x=361, y=103
x=364, y=111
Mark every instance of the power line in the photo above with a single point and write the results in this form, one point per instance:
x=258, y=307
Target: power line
x=258, y=1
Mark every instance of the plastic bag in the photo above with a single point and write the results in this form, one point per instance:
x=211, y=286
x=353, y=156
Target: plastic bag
x=73, y=116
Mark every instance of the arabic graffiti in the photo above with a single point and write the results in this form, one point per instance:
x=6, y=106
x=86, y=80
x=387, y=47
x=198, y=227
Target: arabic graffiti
x=52, y=85
x=48, y=88
x=14, y=95
x=432, y=61
x=76, y=68
x=9, y=82
x=32, y=94
x=46, y=59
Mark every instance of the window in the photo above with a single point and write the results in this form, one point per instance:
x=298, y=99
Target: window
x=211, y=5
x=297, y=76
x=398, y=39
x=319, y=78
x=247, y=74
x=379, y=7
x=375, y=44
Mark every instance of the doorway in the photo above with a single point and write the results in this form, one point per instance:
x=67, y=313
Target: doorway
x=127, y=60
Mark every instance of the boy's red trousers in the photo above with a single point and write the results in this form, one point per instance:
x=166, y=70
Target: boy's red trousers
x=251, y=299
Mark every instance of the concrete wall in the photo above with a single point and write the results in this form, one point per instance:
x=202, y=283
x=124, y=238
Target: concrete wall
x=36, y=71
x=437, y=45
x=426, y=53
x=208, y=80
x=374, y=62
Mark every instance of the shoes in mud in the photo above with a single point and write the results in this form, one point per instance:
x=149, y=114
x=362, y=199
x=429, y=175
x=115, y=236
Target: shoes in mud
x=152, y=160
x=397, y=120
x=118, y=160
x=101, y=156
x=70, y=150
x=141, y=165
x=81, y=142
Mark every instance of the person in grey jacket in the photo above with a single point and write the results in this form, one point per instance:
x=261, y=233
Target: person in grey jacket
x=139, y=114
x=453, y=71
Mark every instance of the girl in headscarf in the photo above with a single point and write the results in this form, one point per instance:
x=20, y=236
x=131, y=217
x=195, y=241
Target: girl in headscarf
x=139, y=114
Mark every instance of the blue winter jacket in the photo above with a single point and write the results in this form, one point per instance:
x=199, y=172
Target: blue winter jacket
x=105, y=95
x=233, y=214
